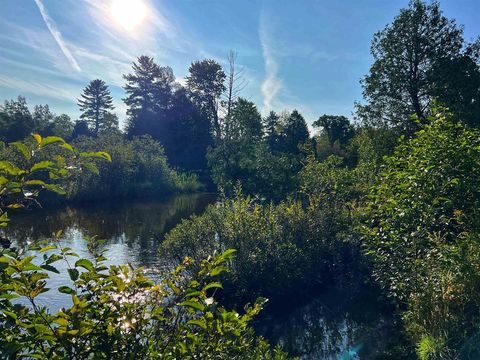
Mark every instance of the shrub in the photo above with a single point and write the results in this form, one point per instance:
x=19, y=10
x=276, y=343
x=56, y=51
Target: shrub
x=282, y=249
x=422, y=233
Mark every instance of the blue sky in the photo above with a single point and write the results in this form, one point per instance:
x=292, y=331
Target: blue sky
x=304, y=54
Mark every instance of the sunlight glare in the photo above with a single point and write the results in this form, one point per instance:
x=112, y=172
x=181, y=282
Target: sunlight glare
x=129, y=14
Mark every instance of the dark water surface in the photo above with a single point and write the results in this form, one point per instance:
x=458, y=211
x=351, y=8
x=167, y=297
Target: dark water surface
x=337, y=324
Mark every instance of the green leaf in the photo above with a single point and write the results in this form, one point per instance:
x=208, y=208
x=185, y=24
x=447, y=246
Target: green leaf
x=55, y=188
x=42, y=165
x=51, y=140
x=31, y=267
x=9, y=168
x=47, y=248
x=218, y=270
x=61, y=321
x=216, y=285
x=50, y=268
x=193, y=304
x=66, y=290
x=10, y=314
x=97, y=154
x=23, y=149
x=193, y=293
x=73, y=274
x=67, y=146
x=92, y=168
x=200, y=323
x=228, y=253
x=85, y=263
x=35, y=182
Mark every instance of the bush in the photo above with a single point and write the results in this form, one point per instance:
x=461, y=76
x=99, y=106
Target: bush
x=282, y=249
x=422, y=233
x=139, y=167
x=118, y=313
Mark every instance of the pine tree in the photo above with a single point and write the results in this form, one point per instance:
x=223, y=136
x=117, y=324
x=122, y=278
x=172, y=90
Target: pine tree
x=271, y=127
x=149, y=96
x=294, y=133
x=95, y=104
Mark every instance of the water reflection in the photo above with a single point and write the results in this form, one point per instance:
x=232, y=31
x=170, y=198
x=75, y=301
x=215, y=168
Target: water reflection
x=132, y=230
x=337, y=325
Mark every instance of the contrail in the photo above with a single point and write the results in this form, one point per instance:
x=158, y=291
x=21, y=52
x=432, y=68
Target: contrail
x=272, y=84
x=57, y=35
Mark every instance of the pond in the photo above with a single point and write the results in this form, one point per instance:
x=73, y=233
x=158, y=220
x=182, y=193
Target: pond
x=337, y=324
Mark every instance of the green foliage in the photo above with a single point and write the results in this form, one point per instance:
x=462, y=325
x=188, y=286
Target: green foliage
x=95, y=104
x=139, y=167
x=31, y=173
x=265, y=166
x=163, y=109
x=421, y=226
x=206, y=83
x=420, y=56
x=335, y=128
x=117, y=312
x=16, y=122
x=430, y=348
x=281, y=249
x=293, y=134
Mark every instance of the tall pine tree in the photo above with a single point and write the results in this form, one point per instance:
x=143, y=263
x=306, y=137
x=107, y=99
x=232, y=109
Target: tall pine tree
x=149, y=97
x=95, y=103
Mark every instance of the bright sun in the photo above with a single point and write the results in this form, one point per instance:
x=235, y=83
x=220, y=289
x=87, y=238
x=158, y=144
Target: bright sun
x=129, y=14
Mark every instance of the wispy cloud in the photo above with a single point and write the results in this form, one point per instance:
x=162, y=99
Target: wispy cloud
x=57, y=35
x=36, y=88
x=272, y=84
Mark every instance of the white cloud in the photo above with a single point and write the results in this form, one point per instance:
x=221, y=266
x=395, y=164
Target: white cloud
x=39, y=89
x=272, y=84
x=57, y=35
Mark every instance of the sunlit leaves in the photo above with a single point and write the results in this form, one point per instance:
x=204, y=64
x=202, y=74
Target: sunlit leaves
x=118, y=311
x=23, y=149
x=42, y=165
x=115, y=310
x=51, y=140
x=97, y=154
x=85, y=263
x=421, y=230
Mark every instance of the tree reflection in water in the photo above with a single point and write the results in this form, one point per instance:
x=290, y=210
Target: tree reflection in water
x=132, y=230
x=347, y=323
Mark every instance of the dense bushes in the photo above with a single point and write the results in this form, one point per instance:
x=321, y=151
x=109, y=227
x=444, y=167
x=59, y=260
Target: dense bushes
x=138, y=167
x=284, y=248
x=422, y=232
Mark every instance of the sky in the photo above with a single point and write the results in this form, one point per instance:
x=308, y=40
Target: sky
x=295, y=54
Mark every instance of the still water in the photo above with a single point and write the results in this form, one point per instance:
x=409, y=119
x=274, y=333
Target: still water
x=338, y=324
